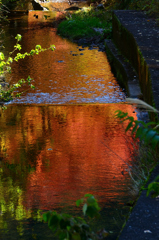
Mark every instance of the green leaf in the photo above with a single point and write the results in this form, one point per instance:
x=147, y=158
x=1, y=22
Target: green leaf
x=157, y=178
x=135, y=128
x=29, y=79
x=120, y=114
x=46, y=216
x=16, y=85
x=32, y=52
x=21, y=81
x=10, y=59
x=91, y=200
x=53, y=222
x=68, y=228
x=131, y=119
x=149, y=135
x=52, y=47
x=154, y=186
x=143, y=133
x=38, y=47
x=150, y=124
x=155, y=141
x=139, y=132
x=129, y=126
x=18, y=46
x=2, y=56
x=92, y=211
x=88, y=195
x=84, y=208
x=18, y=95
x=32, y=86
x=18, y=37
x=79, y=202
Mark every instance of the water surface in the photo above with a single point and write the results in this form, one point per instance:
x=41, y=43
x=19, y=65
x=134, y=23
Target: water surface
x=70, y=74
x=53, y=155
x=61, y=140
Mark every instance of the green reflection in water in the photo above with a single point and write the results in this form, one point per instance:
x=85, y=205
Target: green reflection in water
x=53, y=156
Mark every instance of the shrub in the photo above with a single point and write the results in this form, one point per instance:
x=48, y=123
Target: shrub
x=68, y=227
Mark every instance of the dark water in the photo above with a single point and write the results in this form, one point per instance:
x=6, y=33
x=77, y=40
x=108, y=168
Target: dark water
x=61, y=140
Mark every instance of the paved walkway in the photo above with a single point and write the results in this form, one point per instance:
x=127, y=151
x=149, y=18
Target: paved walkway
x=143, y=223
x=146, y=35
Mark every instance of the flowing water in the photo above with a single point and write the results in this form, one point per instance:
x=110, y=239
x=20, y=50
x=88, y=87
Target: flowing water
x=62, y=139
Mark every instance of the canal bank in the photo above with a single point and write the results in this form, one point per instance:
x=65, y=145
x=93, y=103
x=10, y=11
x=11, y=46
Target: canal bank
x=135, y=44
x=136, y=37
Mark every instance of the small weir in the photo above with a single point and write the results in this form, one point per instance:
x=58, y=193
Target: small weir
x=61, y=140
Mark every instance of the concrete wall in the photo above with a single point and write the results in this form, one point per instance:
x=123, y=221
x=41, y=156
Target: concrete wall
x=127, y=45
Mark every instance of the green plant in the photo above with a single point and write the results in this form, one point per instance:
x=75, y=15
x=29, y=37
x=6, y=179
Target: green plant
x=141, y=129
x=148, y=133
x=153, y=188
x=7, y=91
x=82, y=23
x=68, y=227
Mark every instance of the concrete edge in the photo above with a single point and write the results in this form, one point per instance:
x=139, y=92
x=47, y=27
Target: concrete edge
x=127, y=44
x=122, y=70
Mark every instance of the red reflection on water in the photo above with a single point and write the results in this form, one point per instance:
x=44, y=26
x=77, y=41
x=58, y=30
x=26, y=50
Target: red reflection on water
x=75, y=150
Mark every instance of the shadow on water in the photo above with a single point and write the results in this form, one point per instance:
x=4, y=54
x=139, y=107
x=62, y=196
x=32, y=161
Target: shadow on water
x=61, y=140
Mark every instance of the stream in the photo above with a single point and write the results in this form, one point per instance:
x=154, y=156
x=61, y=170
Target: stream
x=61, y=140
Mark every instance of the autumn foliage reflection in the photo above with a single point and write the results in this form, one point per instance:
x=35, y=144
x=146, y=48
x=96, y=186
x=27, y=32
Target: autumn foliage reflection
x=63, y=152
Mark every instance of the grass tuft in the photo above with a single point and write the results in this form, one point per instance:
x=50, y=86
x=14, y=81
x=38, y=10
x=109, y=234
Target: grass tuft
x=82, y=24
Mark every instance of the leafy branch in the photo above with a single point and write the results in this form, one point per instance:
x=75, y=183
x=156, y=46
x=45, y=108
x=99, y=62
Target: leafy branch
x=5, y=63
x=153, y=188
x=141, y=129
x=149, y=134
x=6, y=91
x=8, y=95
x=68, y=227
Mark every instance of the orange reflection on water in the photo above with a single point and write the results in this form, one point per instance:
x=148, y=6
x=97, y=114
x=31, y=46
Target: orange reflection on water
x=74, y=150
x=36, y=18
x=70, y=74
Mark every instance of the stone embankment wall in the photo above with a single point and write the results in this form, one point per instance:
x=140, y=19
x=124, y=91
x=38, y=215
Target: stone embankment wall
x=136, y=37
